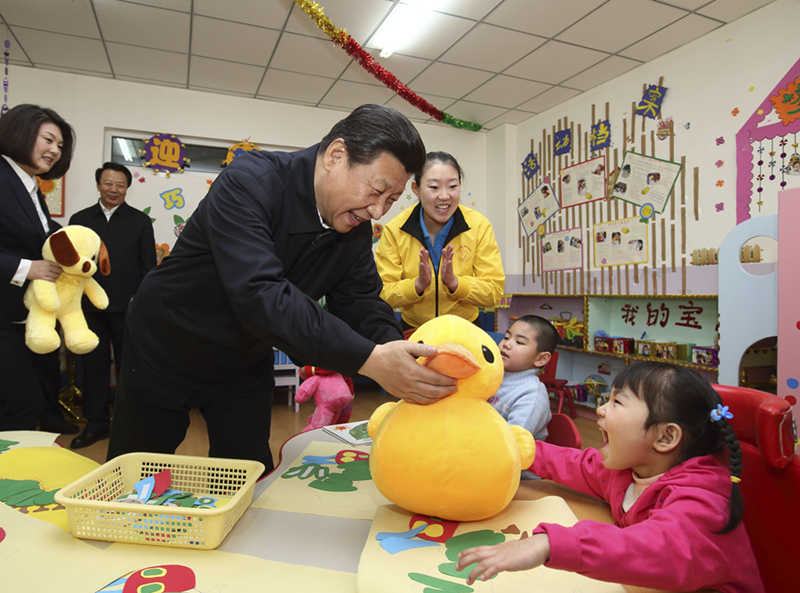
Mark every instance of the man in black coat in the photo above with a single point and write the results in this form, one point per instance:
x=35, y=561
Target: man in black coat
x=128, y=235
x=275, y=233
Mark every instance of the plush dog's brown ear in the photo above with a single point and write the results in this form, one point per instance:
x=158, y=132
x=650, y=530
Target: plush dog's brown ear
x=64, y=251
x=103, y=263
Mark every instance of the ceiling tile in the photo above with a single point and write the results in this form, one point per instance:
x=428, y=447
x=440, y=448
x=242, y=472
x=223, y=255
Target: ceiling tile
x=509, y=117
x=280, y=84
x=236, y=42
x=179, y=5
x=16, y=53
x=540, y=17
x=506, y=91
x=600, y=73
x=360, y=18
x=144, y=26
x=262, y=13
x=219, y=75
x=555, y=62
x=730, y=10
x=353, y=94
x=412, y=112
x=149, y=64
x=548, y=99
x=404, y=68
x=609, y=27
x=675, y=35
x=308, y=55
x=687, y=4
x=53, y=49
x=446, y=80
x=431, y=38
x=174, y=85
x=507, y=47
x=474, y=112
x=70, y=18
x=470, y=9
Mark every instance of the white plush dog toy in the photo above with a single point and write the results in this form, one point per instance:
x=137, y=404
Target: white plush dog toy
x=79, y=252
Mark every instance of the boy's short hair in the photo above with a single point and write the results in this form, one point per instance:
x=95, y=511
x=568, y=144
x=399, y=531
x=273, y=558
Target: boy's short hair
x=545, y=333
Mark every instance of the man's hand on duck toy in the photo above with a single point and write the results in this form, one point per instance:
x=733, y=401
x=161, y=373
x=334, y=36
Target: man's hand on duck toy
x=333, y=395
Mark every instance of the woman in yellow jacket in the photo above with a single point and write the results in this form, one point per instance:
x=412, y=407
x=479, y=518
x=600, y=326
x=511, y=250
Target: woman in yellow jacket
x=439, y=257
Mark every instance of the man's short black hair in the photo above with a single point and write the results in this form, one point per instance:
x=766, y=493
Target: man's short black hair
x=545, y=334
x=19, y=129
x=114, y=167
x=371, y=130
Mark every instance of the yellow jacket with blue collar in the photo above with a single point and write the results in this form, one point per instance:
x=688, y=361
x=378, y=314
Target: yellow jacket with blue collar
x=476, y=263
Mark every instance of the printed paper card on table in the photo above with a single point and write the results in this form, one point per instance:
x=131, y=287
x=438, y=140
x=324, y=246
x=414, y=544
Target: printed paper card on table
x=562, y=250
x=326, y=479
x=583, y=182
x=620, y=242
x=413, y=553
x=540, y=205
x=645, y=180
x=353, y=433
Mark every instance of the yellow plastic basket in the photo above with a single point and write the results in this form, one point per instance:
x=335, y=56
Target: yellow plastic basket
x=93, y=514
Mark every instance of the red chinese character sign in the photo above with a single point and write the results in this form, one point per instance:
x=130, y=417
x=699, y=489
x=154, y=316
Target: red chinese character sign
x=787, y=102
x=165, y=153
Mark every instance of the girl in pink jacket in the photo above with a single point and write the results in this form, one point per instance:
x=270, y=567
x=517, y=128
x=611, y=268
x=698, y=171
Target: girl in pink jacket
x=677, y=509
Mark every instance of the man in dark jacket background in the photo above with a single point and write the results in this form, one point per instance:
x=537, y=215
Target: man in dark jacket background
x=128, y=236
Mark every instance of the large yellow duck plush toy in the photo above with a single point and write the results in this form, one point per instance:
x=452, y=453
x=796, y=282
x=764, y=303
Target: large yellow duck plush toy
x=456, y=459
x=80, y=253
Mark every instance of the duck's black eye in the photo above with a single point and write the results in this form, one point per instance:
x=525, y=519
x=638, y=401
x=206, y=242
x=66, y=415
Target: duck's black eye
x=487, y=354
x=420, y=342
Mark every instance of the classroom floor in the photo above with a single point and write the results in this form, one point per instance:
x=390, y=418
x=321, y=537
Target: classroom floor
x=286, y=423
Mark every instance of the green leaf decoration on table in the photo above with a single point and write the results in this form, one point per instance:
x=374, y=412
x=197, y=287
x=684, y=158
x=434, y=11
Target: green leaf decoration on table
x=441, y=586
x=6, y=445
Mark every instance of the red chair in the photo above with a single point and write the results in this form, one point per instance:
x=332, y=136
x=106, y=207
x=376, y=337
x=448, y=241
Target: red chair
x=770, y=481
x=561, y=431
x=553, y=385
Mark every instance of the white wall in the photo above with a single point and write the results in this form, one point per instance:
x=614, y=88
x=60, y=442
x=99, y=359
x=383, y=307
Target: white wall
x=92, y=105
x=707, y=80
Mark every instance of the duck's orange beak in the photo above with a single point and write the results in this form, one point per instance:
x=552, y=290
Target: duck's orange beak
x=452, y=360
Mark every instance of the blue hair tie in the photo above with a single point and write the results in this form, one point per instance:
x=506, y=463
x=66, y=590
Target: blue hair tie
x=720, y=412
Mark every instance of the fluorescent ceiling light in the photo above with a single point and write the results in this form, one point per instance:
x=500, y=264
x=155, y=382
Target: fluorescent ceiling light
x=400, y=28
x=123, y=146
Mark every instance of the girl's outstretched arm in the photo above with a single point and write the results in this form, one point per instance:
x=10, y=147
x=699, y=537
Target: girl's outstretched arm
x=523, y=554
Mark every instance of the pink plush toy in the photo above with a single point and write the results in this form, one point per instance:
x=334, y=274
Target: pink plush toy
x=333, y=395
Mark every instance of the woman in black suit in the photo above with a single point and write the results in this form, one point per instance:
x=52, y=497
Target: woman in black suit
x=33, y=141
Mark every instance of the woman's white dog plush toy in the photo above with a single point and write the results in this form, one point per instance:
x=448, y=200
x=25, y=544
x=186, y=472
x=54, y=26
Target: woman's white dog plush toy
x=79, y=252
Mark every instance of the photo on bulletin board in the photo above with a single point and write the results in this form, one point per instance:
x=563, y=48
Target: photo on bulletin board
x=562, y=250
x=583, y=182
x=644, y=179
x=540, y=205
x=53, y=192
x=620, y=242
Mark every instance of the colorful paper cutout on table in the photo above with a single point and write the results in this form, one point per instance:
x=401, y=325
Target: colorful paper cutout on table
x=530, y=165
x=352, y=433
x=583, y=182
x=600, y=136
x=30, y=477
x=650, y=105
x=167, y=578
x=17, y=439
x=644, y=179
x=325, y=479
x=432, y=569
x=620, y=242
x=562, y=142
x=562, y=250
x=539, y=206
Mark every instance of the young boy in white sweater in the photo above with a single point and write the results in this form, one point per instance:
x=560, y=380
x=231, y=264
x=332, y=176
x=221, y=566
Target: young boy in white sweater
x=522, y=399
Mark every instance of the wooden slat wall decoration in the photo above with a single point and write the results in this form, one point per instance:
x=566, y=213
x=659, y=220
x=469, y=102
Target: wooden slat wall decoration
x=666, y=233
